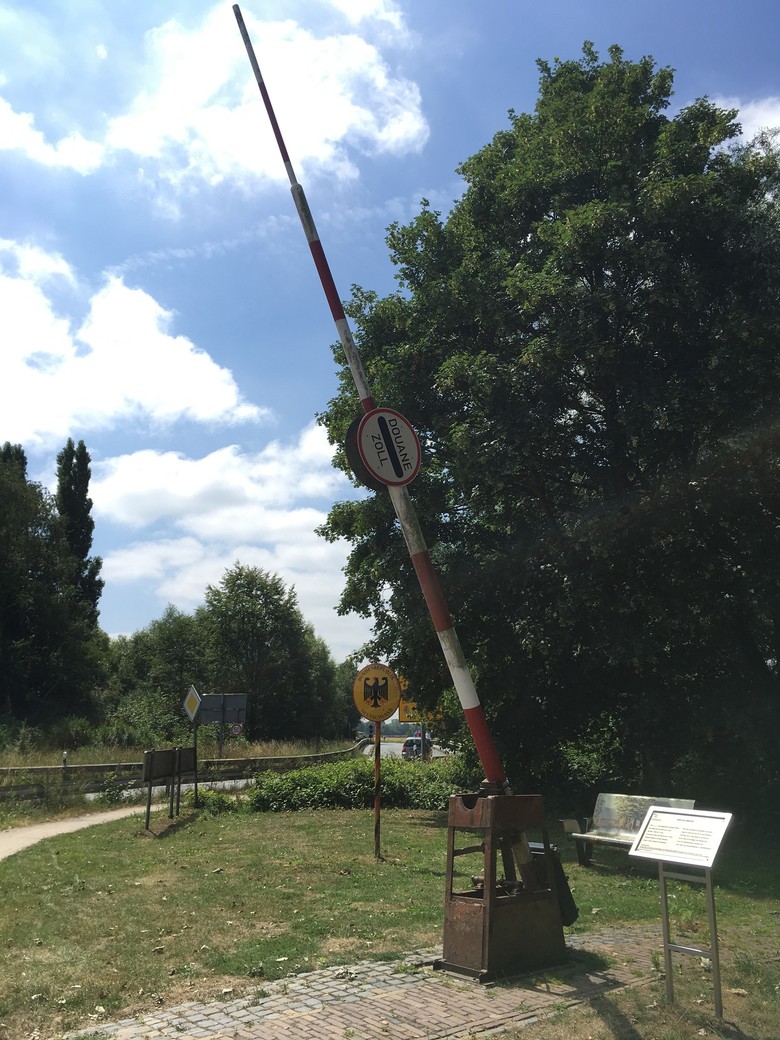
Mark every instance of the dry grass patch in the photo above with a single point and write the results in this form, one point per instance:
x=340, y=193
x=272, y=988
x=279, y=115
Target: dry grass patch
x=112, y=918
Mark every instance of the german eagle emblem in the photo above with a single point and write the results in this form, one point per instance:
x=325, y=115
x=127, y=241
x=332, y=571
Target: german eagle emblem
x=375, y=691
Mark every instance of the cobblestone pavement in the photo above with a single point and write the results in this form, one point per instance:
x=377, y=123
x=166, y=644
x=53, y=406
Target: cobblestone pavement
x=404, y=1000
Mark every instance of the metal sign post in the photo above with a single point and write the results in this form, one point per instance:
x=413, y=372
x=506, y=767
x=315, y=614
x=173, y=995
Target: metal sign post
x=398, y=443
x=377, y=789
x=195, y=802
x=376, y=692
x=712, y=954
x=192, y=703
x=684, y=838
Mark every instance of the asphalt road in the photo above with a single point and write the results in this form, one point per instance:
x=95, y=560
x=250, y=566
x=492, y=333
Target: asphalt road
x=392, y=749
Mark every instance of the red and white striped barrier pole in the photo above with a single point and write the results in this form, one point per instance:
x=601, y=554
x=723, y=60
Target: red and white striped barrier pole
x=399, y=496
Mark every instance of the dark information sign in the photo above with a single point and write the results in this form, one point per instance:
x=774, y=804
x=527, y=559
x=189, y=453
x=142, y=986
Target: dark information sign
x=228, y=707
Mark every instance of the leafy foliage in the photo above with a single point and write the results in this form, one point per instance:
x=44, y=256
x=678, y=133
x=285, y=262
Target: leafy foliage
x=75, y=510
x=150, y=673
x=588, y=348
x=260, y=645
x=350, y=785
x=51, y=652
x=249, y=637
x=217, y=803
x=63, y=681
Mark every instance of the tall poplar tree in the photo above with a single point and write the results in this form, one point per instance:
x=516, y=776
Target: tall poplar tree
x=49, y=653
x=75, y=509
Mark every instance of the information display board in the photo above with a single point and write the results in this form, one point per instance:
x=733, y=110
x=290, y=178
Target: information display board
x=687, y=836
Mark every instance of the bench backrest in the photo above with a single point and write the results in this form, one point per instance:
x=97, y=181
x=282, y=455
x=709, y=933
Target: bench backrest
x=621, y=815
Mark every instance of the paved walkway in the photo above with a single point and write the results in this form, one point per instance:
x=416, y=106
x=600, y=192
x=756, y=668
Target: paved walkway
x=14, y=839
x=404, y=1000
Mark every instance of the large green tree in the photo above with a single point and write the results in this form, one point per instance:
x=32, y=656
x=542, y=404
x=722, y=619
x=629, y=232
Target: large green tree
x=588, y=347
x=249, y=637
x=150, y=673
x=261, y=645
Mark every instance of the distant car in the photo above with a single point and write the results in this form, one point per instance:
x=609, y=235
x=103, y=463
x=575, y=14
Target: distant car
x=413, y=748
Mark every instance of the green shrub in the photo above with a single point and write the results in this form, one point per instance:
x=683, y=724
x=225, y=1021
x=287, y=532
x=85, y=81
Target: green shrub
x=70, y=732
x=143, y=719
x=350, y=785
x=113, y=790
x=216, y=803
x=19, y=737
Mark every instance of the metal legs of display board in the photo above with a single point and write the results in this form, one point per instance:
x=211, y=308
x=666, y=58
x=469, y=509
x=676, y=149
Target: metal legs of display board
x=665, y=874
x=168, y=766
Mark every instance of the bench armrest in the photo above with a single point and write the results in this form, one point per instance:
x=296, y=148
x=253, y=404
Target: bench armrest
x=571, y=826
x=573, y=833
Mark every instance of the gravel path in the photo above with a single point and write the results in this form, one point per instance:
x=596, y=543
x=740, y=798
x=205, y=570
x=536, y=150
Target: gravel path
x=14, y=839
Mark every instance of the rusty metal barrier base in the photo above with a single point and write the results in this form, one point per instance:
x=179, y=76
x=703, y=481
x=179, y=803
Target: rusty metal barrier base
x=500, y=926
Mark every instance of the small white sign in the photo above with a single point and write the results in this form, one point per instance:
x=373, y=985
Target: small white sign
x=688, y=836
x=192, y=703
x=389, y=447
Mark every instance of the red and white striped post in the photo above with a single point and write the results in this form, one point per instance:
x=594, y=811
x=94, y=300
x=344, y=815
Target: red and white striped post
x=399, y=496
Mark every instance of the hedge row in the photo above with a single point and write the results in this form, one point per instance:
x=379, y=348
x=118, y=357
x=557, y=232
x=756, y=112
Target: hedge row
x=350, y=785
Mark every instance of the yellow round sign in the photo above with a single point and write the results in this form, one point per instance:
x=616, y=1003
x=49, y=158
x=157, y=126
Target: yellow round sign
x=376, y=692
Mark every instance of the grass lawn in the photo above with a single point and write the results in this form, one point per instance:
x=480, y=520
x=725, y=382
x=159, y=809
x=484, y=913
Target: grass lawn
x=113, y=921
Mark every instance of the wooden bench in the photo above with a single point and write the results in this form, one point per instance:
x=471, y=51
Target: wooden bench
x=616, y=821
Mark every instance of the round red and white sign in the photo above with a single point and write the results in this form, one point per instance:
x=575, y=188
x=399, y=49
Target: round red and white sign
x=389, y=447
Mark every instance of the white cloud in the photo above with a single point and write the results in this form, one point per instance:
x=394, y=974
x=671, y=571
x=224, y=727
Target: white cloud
x=260, y=509
x=122, y=363
x=763, y=114
x=179, y=570
x=754, y=116
x=141, y=366
x=226, y=495
x=141, y=561
x=203, y=117
x=35, y=264
x=75, y=152
x=32, y=42
x=362, y=10
x=199, y=118
x=85, y=354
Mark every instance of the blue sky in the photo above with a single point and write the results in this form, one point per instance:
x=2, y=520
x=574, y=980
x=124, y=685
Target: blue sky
x=157, y=295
